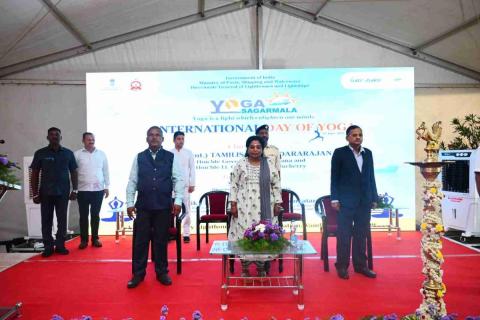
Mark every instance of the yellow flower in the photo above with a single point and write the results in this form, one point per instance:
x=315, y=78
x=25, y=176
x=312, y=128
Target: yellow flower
x=439, y=228
x=439, y=255
x=439, y=293
x=423, y=226
x=433, y=190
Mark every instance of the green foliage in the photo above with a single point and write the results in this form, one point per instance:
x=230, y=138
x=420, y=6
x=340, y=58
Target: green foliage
x=468, y=130
x=263, y=245
x=7, y=175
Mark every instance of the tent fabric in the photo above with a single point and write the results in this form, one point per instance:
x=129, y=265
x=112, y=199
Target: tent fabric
x=29, y=30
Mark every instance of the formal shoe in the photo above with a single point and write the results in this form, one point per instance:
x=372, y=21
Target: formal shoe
x=164, y=279
x=186, y=239
x=47, y=252
x=366, y=272
x=134, y=282
x=343, y=273
x=96, y=243
x=82, y=245
x=63, y=251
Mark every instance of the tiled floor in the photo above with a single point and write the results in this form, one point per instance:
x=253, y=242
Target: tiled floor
x=10, y=259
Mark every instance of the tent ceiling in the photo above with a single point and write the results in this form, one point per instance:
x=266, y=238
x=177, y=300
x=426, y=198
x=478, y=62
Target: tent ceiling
x=407, y=22
x=33, y=34
x=99, y=20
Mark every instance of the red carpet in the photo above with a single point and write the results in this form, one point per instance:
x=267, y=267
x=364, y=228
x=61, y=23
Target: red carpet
x=93, y=282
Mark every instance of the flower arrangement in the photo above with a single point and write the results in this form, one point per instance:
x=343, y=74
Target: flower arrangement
x=197, y=315
x=6, y=170
x=262, y=237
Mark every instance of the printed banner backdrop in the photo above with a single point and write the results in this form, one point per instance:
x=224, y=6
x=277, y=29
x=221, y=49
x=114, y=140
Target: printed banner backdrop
x=308, y=111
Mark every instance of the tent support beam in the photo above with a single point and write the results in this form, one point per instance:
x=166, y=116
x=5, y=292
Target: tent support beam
x=259, y=35
x=317, y=14
x=201, y=8
x=19, y=82
x=449, y=33
x=66, y=23
x=116, y=40
x=372, y=38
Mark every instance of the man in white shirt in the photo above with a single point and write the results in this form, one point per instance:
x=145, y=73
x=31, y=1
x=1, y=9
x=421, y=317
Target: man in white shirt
x=93, y=183
x=187, y=163
x=477, y=170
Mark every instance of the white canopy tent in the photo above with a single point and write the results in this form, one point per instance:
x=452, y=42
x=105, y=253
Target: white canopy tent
x=47, y=47
x=163, y=34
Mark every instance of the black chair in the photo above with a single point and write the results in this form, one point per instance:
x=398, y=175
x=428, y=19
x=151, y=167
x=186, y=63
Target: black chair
x=174, y=233
x=328, y=214
x=215, y=203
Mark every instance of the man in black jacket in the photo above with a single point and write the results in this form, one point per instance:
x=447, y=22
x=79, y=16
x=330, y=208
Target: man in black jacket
x=354, y=193
x=154, y=175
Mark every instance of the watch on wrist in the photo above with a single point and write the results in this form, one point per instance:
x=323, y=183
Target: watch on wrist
x=75, y=191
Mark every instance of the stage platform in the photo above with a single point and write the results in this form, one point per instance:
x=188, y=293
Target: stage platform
x=93, y=282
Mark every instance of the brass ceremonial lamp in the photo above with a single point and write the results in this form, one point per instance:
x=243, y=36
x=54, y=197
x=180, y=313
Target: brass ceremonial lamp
x=433, y=289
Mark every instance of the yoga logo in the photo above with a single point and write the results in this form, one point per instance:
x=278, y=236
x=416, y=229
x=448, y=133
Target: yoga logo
x=318, y=136
x=115, y=205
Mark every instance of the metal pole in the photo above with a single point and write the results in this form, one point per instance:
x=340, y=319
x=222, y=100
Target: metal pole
x=259, y=29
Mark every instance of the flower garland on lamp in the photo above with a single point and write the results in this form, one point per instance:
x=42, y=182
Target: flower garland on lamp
x=433, y=288
x=432, y=229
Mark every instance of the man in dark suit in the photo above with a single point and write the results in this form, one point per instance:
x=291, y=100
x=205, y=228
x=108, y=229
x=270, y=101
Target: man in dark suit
x=154, y=175
x=354, y=194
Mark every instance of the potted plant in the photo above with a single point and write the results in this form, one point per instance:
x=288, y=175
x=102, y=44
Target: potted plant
x=468, y=133
x=7, y=174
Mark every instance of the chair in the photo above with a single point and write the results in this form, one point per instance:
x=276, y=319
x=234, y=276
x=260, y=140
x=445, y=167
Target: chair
x=288, y=214
x=324, y=209
x=174, y=233
x=215, y=204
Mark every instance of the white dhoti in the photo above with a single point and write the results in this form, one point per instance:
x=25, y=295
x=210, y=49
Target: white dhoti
x=186, y=218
